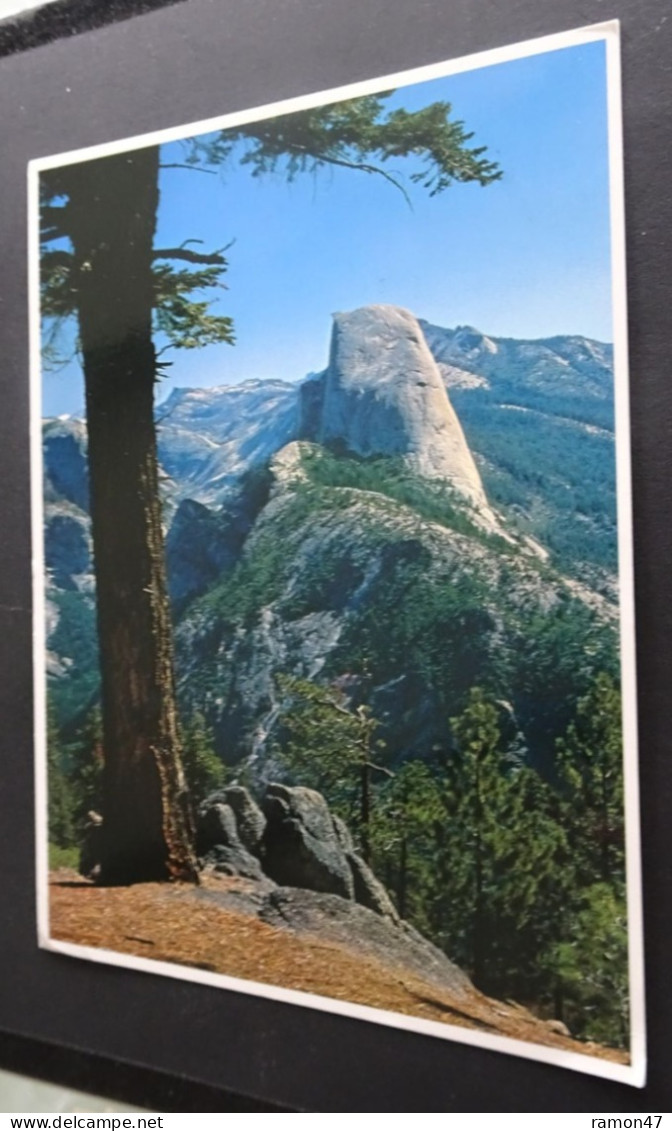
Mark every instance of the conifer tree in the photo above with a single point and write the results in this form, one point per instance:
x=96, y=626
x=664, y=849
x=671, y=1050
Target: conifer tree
x=502, y=857
x=590, y=763
x=59, y=793
x=202, y=767
x=330, y=746
x=590, y=960
x=87, y=761
x=408, y=808
x=100, y=262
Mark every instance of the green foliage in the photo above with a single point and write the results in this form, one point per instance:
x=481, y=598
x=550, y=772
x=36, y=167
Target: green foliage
x=203, y=770
x=502, y=863
x=591, y=963
x=86, y=760
x=494, y=844
x=255, y=581
x=555, y=661
x=63, y=857
x=479, y=851
x=59, y=791
x=391, y=477
x=328, y=744
x=74, y=786
x=74, y=636
x=590, y=763
x=554, y=481
x=520, y=905
x=187, y=323
x=260, y=575
x=359, y=134
x=183, y=319
x=434, y=629
x=409, y=808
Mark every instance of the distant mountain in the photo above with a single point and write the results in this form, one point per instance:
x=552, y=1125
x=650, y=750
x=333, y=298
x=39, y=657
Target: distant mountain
x=209, y=437
x=569, y=376
x=390, y=516
x=539, y=417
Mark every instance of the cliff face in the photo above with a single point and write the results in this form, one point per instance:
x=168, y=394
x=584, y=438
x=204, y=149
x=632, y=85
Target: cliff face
x=382, y=394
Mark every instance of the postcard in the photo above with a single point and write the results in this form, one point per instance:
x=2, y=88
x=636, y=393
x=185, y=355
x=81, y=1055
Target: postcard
x=334, y=642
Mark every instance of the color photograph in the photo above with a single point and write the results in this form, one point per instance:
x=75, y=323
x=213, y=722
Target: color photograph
x=334, y=646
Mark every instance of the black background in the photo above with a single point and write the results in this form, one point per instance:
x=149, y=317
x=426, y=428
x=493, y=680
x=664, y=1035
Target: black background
x=183, y=1047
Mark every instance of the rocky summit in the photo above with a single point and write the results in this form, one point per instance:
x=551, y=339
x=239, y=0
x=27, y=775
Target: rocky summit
x=382, y=394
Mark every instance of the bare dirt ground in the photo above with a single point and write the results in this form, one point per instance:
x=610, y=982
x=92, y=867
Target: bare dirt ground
x=173, y=923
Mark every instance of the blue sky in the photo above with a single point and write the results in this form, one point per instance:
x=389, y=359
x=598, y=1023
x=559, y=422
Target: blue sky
x=528, y=256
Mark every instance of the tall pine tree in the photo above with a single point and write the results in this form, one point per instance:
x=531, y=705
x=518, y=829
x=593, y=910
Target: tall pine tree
x=98, y=223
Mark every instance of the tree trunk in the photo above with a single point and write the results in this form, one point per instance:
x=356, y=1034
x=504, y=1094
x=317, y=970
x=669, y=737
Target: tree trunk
x=147, y=829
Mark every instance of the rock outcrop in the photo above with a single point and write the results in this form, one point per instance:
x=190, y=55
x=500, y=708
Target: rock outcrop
x=234, y=860
x=64, y=445
x=250, y=821
x=308, y=877
x=357, y=928
x=301, y=846
x=368, y=890
x=229, y=831
x=296, y=842
x=229, y=816
x=199, y=547
x=306, y=846
x=382, y=394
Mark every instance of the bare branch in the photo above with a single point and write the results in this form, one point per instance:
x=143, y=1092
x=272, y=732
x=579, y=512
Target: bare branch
x=380, y=769
x=212, y=259
x=362, y=167
x=191, y=168
x=365, y=168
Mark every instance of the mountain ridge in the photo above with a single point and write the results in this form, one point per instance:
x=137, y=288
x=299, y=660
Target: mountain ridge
x=209, y=437
x=285, y=551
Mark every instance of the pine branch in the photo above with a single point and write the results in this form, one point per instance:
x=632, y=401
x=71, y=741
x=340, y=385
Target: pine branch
x=191, y=168
x=360, y=166
x=213, y=258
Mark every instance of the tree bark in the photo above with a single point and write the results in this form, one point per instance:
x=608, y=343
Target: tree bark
x=147, y=826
